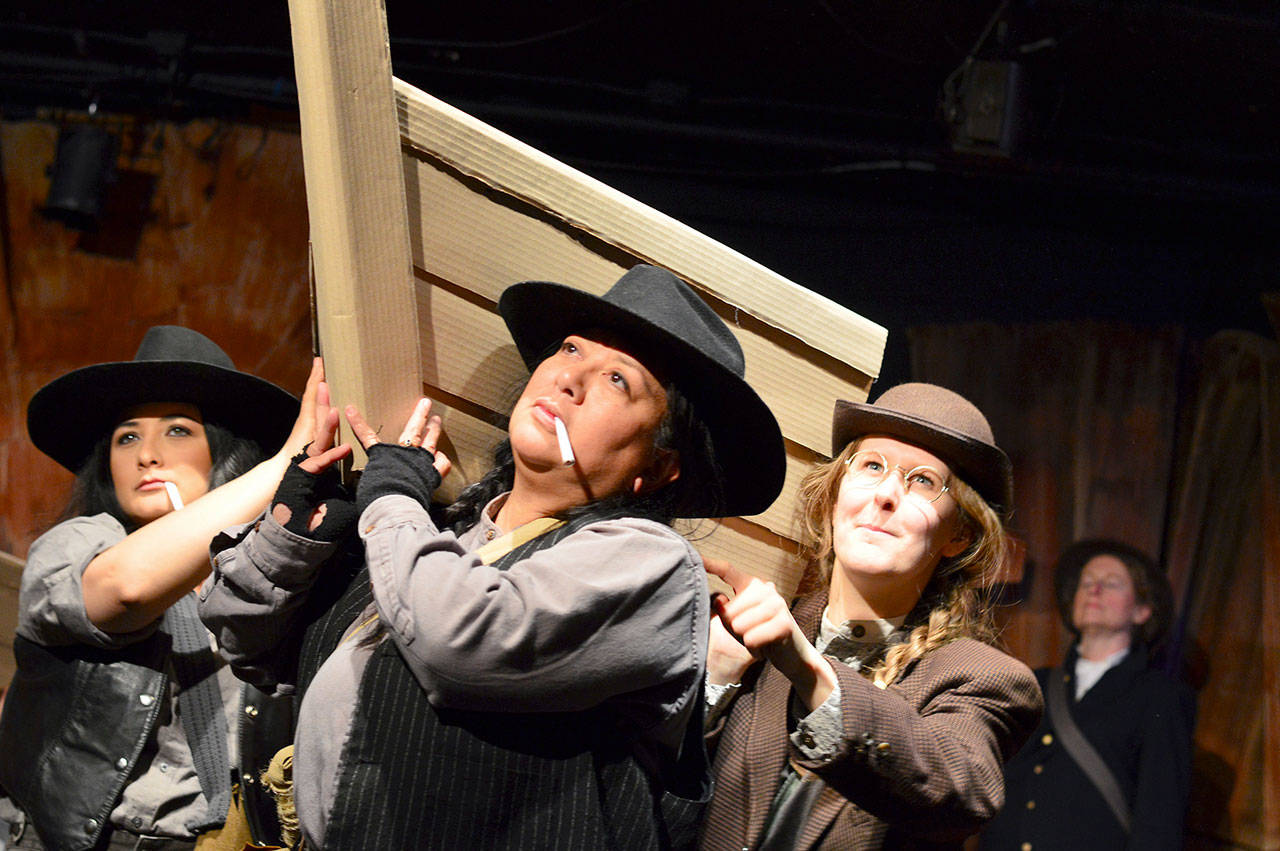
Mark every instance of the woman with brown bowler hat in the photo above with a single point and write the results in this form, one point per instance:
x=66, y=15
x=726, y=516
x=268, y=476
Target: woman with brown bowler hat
x=121, y=724
x=874, y=712
x=524, y=668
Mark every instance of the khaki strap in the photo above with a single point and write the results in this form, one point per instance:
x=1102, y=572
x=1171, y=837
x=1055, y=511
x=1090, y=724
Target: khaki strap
x=517, y=537
x=1082, y=751
x=278, y=778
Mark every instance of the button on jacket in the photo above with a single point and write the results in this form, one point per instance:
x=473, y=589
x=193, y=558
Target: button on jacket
x=919, y=764
x=1140, y=722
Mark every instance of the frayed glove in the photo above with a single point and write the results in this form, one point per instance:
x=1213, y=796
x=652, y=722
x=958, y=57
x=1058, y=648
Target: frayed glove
x=302, y=493
x=405, y=470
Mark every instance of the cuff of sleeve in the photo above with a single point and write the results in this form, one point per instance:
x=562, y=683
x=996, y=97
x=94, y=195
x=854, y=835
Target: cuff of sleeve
x=719, y=694
x=65, y=590
x=287, y=560
x=718, y=699
x=392, y=510
x=817, y=734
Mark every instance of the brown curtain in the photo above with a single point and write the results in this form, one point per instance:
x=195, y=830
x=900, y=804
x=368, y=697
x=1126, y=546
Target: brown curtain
x=1086, y=411
x=1224, y=562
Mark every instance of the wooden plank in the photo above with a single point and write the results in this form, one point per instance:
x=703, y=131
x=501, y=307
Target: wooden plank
x=429, y=125
x=357, y=207
x=10, y=582
x=481, y=245
x=753, y=549
x=469, y=443
x=482, y=211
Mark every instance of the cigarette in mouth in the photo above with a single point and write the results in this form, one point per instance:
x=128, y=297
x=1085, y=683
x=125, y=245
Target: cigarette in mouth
x=562, y=435
x=172, y=489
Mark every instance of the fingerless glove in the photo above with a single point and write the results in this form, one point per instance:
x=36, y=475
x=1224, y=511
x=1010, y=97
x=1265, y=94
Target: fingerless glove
x=406, y=470
x=302, y=493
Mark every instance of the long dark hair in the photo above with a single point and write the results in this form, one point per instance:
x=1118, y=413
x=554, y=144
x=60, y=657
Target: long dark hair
x=94, y=492
x=681, y=430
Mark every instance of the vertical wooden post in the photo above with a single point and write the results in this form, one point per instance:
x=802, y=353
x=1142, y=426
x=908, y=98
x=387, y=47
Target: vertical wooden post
x=365, y=292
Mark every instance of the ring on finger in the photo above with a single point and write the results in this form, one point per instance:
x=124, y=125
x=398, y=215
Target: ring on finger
x=406, y=442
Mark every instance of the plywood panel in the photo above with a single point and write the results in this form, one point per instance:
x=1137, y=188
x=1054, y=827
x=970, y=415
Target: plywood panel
x=450, y=135
x=484, y=211
x=482, y=244
x=754, y=549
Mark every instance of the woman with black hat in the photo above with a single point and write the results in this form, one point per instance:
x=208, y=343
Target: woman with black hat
x=117, y=724
x=527, y=671
x=881, y=714
x=1110, y=765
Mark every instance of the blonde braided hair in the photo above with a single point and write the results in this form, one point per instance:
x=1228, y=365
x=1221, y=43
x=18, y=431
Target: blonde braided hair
x=955, y=603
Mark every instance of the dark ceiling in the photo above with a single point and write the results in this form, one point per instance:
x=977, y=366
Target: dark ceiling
x=998, y=131
x=1172, y=98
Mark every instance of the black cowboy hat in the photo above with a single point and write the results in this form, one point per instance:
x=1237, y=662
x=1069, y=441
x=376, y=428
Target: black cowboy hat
x=658, y=311
x=70, y=414
x=939, y=420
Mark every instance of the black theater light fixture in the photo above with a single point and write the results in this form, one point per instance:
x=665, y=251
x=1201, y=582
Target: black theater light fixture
x=83, y=167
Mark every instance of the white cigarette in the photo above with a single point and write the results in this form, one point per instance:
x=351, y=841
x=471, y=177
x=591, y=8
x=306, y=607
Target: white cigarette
x=562, y=435
x=174, y=497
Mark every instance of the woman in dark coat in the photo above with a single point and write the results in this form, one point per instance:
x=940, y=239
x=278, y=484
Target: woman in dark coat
x=1136, y=720
x=875, y=712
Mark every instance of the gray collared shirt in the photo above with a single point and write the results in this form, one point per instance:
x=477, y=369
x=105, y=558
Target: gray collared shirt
x=616, y=612
x=163, y=792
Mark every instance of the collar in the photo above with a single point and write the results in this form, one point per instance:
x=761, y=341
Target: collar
x=854, y=640
x=484, y=529
x=1089, y=671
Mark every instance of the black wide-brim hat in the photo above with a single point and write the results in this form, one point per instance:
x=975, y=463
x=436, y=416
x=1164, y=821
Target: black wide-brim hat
x=655, y=310
x=70, y=414
x=939, y=420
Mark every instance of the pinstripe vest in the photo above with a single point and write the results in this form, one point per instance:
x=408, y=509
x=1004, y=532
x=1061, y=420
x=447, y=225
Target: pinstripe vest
x=418, y=776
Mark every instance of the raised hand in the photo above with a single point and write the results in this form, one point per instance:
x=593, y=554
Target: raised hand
x=727, y=659
x=413, y=467
x=762, y=620
x=421, y=431
x=304, y=426
x=321, y=451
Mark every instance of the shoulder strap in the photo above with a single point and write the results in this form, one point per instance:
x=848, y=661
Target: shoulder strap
x=516, y=538
x=1078, y=747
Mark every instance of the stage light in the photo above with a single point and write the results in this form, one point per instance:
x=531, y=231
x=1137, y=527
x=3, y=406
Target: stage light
x=986, y=113
x=82, y=168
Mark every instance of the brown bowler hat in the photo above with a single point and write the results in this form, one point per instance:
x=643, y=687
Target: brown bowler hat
x=939, y=420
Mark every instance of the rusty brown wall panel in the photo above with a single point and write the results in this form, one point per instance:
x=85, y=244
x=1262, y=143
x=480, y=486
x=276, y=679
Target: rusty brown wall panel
x=223, y=250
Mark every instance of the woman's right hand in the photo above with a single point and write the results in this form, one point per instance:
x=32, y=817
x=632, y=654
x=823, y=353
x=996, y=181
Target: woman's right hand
x=321, y=451
x=310, y=493
x=414, y=467
x=761, y=616
x=304, y=427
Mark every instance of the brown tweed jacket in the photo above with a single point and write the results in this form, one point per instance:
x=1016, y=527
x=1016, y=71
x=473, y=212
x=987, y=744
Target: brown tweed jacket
x=920, y=764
